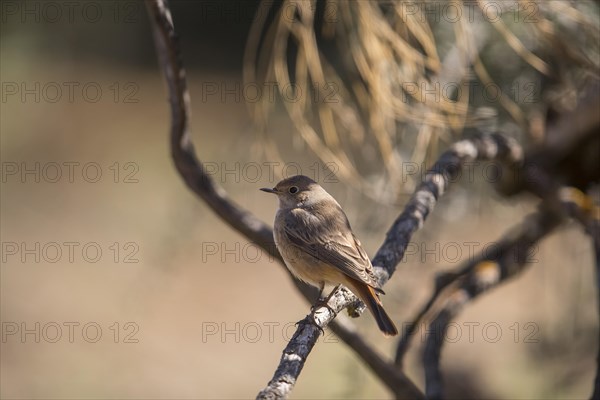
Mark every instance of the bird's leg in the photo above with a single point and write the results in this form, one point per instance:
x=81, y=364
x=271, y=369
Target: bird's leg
x=332, y=292
x=324, y=301
x=320, y=299
x=321, y=291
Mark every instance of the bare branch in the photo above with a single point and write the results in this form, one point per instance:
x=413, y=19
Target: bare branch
x=486, y=271
x=476, y=277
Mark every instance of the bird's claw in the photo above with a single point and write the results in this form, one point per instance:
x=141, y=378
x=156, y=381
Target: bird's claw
x=322, y=302
x=312, y=322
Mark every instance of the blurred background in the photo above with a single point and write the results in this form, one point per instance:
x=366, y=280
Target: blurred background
x=117, y=282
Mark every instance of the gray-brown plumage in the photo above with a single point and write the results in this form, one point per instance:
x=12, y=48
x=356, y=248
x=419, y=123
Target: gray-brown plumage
x=315, y=239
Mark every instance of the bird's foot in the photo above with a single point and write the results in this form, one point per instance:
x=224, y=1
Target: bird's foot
x=310, y=321
x=322, y=302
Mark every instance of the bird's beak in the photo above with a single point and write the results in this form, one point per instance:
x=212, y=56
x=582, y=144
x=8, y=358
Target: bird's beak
x=269, y=190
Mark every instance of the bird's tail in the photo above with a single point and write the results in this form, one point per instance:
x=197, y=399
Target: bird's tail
x=368, y=295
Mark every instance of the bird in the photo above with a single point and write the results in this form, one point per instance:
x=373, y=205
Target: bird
x=315, y=239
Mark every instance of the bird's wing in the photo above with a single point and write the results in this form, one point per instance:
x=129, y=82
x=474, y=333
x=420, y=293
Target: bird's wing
x=339, y=248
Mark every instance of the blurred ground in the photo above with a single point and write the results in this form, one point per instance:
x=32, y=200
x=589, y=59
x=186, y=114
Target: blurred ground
x=201, y=314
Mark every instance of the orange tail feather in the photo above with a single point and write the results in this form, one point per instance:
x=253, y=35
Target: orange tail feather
x=368, y=295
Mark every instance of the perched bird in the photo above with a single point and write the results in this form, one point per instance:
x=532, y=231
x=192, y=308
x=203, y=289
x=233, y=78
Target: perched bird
x=315, y=239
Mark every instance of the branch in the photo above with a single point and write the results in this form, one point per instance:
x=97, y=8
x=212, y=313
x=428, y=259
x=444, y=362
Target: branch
x=484, y=272
x=194, y=175
x=476, y=277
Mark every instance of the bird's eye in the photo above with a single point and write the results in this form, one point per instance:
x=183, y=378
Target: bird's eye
x=293, y=189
